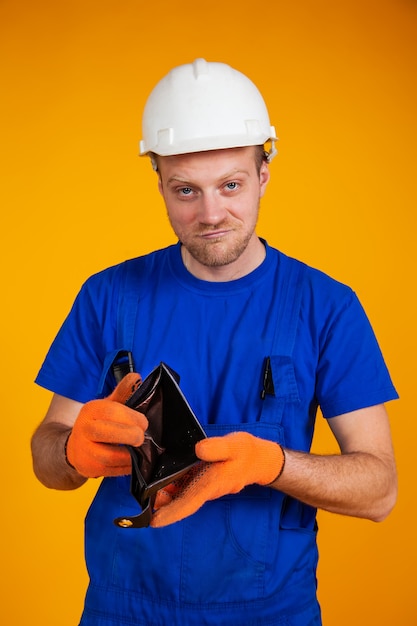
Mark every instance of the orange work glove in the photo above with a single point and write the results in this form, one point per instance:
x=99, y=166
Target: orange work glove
x=229, y=464
x=94, y=445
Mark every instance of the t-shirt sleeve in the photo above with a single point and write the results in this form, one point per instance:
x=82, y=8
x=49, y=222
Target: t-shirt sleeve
x=74, y=362
x=351, y=372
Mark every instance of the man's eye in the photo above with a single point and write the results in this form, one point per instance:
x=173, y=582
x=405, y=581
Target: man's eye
x=185, y=191
x=232, y=185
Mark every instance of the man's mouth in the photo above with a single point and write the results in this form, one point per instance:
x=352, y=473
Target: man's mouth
x=215, y=234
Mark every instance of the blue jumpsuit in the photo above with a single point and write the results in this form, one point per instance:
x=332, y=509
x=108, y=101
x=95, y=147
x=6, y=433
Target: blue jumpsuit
x=249, y=558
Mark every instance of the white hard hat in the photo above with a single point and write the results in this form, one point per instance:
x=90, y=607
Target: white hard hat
x=204, y=106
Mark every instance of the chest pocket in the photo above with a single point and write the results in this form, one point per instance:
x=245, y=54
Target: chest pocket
x=281, y=397
x=283, y=376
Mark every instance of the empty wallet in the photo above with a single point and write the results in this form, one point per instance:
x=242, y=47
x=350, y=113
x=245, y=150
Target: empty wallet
x=169, y=447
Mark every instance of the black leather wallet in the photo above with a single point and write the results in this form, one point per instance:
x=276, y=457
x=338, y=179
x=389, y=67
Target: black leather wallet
x=168, y=449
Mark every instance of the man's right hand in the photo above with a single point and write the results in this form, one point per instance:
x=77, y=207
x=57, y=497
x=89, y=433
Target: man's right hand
x=95, y=446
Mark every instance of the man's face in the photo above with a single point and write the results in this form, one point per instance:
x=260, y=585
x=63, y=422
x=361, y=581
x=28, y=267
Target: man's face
x=212, y=199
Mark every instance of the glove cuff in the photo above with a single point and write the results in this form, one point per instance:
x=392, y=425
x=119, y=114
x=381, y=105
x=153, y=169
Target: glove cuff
x=282, y=466
x=66, y=452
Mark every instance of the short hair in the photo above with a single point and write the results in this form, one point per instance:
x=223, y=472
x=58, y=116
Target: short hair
x=261, y=156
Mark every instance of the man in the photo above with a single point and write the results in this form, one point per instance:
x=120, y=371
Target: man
x=259, y=341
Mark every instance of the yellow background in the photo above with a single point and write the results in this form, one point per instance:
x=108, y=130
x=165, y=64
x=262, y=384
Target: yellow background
x=340, y=82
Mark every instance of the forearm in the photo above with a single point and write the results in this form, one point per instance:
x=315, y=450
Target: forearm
x=359, y=484
x=49, y=463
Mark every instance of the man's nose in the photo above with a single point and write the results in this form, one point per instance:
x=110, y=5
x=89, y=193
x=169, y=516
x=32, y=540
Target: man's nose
x=212, y=208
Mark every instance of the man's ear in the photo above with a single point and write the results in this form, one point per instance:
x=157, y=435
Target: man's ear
x=264, y=176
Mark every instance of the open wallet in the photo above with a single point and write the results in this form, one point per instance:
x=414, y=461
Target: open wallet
x=169, y=447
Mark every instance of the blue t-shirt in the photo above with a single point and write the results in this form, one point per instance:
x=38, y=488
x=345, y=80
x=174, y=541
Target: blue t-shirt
x=217, y=335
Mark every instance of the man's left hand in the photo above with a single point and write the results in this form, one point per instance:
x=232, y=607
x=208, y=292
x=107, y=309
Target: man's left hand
x=229, y=464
